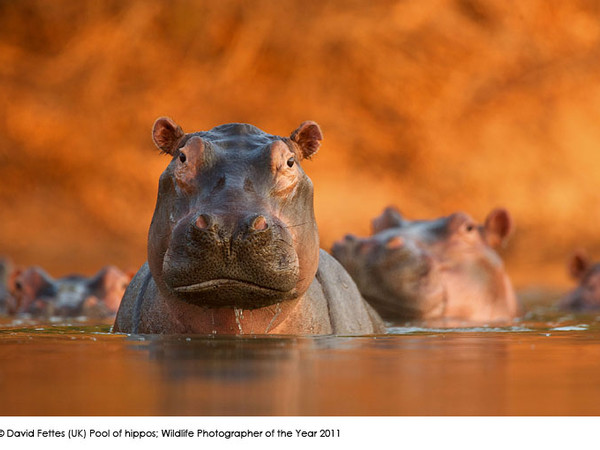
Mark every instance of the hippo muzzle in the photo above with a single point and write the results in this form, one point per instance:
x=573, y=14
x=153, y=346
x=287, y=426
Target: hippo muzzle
x=218, y=260
x=390, y=268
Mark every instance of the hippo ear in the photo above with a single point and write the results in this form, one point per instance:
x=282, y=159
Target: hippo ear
x=39, y=276
x=13, y=278
x=498, y=227
x=98, y=280
x=166, y=134
x=33, y=280
x=390, y=218
x=37, y=273
x=107, y=275
x=578, y=265
x=308, y=136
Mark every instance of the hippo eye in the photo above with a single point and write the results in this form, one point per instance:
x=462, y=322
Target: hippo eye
x=182, y=157
x=470, y=227
x=290, y=162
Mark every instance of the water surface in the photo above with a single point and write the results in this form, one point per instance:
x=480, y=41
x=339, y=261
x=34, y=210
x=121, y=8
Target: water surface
x=547, y=363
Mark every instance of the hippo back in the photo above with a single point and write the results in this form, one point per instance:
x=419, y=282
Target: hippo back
x=348, y=312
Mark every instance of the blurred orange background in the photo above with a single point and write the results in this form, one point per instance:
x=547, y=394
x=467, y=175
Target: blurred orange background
x=432, y=105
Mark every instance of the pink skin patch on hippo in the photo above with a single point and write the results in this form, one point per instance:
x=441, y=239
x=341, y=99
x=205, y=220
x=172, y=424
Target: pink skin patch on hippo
x=284, y=169
x=189, y=162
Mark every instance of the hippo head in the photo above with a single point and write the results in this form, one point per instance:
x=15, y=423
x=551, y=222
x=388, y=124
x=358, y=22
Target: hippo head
x=393, y=272
x=39, y=294
x=105, y=291
x=447, y=267
x=586, y=296
x=234, y=222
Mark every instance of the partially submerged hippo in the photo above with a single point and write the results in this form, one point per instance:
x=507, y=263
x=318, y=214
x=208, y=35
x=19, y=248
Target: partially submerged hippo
x=586, y=296
x=39, y=295
x=6, y=298
x=432, y=269
x=233, y=246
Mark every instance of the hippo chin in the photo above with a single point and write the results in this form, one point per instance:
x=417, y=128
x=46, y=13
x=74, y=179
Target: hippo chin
x=432, y=269
x=586, y=296
x=233, y=245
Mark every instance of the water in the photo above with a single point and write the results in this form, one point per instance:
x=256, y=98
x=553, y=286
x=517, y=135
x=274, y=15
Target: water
x=547, y=363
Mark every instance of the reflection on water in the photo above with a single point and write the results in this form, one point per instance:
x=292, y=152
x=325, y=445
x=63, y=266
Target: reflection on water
x=546, y=363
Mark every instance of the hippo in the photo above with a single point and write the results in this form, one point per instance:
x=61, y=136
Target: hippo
x=446, y=268
x=6, y=298
x=233, y=246
x=39, y=295
x=586, y=296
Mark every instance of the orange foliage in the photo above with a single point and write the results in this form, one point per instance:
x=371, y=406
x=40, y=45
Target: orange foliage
x=433, y=105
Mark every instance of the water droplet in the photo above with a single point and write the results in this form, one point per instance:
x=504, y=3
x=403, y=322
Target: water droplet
x=239, y=316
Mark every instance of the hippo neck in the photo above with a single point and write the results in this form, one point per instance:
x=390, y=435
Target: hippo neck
x=160, y=314
x=230, y=321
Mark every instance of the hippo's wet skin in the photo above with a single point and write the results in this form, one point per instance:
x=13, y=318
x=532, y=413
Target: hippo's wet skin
x=233, y=246
x=432, y=269
x=586, y=296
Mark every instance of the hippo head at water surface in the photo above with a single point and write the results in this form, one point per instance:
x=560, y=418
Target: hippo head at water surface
x=446, y=268
x=234, y=223
x=233, y=245
x=586, y=296
x=38, y=294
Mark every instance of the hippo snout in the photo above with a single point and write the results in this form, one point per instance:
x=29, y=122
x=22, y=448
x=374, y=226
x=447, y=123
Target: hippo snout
x=252, y=223
x=222, y=259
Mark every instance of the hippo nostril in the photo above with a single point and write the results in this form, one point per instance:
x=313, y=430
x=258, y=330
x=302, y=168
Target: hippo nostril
x=365, y=247
x=395, y=242
x=203, y=221
x=259, y=224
